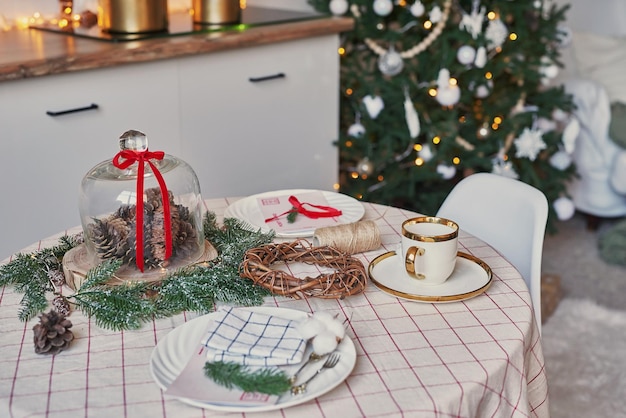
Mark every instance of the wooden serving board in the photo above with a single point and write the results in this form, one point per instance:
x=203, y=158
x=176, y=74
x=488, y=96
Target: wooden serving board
x=76, y=264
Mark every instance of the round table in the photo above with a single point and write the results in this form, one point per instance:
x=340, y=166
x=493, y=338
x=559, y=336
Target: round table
x=476, y=357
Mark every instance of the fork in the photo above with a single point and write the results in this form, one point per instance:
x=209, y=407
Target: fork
x=313, y=357
x=328, y=364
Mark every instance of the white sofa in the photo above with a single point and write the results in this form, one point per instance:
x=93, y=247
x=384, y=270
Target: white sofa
x=595, y=74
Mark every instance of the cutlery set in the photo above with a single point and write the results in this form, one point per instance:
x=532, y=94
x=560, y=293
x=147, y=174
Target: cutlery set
x=331, y=361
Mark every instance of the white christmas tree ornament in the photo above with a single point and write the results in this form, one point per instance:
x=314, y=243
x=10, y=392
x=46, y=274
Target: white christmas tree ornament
x=496, y=33
x=417, y=9
x=356, y=130
x=382, y=7
x=529, y=144
x=426, y=153
x=374, y=105
x=473, y=23
x=447, y=94
x=560, y=160
x=435, y=14
x=570, y=133
x=446, y=171
x=412, y=118
x=481, y=57
x=564, y=208
x=505, y=169
x=338, y=7
x=466, y=54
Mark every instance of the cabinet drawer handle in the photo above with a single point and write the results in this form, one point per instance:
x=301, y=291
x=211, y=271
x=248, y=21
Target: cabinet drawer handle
x=76, y=110
x=267, y=77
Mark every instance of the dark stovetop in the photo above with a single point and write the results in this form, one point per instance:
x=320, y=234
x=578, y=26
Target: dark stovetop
x=181, y=24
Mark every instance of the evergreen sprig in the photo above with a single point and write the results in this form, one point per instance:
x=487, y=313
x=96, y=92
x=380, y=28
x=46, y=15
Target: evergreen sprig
x=126, y=306
x=28, y=273
x=271, y=381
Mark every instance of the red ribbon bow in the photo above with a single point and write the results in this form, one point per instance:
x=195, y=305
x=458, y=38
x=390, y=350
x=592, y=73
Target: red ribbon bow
x=324, y=211
x=125, y=159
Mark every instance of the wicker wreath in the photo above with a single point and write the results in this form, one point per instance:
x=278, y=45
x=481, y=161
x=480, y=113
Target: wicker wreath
x=349, y=277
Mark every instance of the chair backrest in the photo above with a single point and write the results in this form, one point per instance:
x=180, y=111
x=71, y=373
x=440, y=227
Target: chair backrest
x=507, y=214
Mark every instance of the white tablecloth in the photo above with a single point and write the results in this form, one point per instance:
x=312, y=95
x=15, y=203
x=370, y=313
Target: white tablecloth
x=476, y=358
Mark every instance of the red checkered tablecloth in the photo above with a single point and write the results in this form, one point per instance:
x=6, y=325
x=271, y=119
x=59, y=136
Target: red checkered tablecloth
x=476, y=358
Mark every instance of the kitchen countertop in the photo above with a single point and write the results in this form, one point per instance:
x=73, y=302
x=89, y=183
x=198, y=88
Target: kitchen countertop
x=27, y=53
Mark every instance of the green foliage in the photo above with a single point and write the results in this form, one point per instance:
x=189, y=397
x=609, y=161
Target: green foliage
x=612, y=244
x=126, y=306
x=271, y=381
x=515, y=70
x=28, y=273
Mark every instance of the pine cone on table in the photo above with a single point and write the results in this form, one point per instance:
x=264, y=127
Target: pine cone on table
x=52, y=333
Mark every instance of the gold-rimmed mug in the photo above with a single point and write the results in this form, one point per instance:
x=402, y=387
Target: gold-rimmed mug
x=429, y=248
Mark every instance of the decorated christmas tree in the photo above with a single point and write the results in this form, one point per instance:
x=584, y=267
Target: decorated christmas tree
x=434, y=90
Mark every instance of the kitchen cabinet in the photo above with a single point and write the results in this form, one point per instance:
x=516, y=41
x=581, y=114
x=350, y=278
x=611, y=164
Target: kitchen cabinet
x=44, y=157
x=248, y=119
x=262, y=118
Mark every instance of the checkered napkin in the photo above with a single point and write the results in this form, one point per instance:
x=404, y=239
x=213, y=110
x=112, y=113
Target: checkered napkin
x=253, y=339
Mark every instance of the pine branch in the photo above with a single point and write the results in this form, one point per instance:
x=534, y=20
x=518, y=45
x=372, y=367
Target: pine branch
x=271, y=381
x=116, y=307
x=28, y=273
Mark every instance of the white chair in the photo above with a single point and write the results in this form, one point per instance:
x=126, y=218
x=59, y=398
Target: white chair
x=507, y=214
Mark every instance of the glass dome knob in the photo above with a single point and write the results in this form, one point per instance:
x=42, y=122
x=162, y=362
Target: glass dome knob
x=134, y=140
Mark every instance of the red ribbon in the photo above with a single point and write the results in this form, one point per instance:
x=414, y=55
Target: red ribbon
x=324, y=211
x=125, y=159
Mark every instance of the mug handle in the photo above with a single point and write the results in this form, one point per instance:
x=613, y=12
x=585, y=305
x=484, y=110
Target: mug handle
x=409, y=261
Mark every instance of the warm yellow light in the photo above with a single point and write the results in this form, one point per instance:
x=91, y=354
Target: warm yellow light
x=453, y=81
x=336, y=186
x=402, y=3
x=497, y=120
x=63, y=23
x=495, y=126
x=341, y=51
x=380, y=178
x=513, y=36
x=354, y=175
x=436, y=140
x=432, y=92
x=488, y=75
x=491, y=15
x=348, y=143
x=428, y=24
x=243, y=4
x=349, y=91
x=417, y=147
x=67, y=10
x=419, y=161
x=456, y=160
x=359, y=196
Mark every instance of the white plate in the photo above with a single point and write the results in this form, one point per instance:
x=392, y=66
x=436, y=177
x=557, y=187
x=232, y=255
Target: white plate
x=470, y=278
x=172, y=353
x=247, y=209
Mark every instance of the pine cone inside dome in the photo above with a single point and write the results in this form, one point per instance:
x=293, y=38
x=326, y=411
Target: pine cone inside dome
x=52, y=333
x=115, y=236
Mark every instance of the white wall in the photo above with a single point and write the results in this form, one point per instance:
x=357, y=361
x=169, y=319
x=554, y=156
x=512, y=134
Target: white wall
x=602, y=17
x=14, y=9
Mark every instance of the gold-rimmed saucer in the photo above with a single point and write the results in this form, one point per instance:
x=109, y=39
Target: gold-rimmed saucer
x=470, y=278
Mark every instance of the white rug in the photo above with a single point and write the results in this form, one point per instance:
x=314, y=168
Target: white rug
x=584, y=346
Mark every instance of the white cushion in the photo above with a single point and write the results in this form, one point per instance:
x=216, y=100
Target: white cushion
x=602, y=59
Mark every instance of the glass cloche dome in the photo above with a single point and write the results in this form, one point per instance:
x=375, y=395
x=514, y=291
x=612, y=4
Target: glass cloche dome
x=143, y=208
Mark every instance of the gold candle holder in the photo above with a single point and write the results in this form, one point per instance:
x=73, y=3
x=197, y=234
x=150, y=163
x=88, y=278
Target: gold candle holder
x=216, y=12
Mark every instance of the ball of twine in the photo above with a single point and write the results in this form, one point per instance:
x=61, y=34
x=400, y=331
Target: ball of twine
x=347, y=278
x=350, y=238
